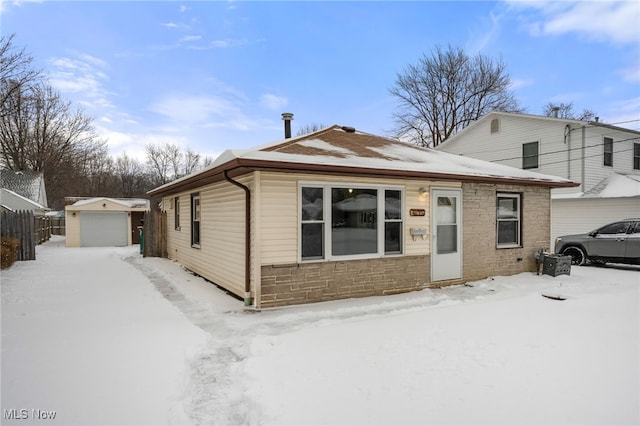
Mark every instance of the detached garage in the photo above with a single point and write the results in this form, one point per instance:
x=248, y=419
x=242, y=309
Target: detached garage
x=104, y=222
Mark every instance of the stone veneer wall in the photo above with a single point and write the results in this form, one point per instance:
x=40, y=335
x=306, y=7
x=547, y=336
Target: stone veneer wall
x=481, y=258
x=322, y=281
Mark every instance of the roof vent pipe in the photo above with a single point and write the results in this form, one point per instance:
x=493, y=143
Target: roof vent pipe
x=287, y=117
x=555, y=111
x=597, y=119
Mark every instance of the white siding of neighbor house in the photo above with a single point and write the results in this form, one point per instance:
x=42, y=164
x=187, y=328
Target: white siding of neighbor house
x=556, y=157
x=568, y=215
x=279, y=216
x=221, y=257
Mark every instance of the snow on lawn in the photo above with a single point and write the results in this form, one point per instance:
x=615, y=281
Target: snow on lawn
x=103, y=336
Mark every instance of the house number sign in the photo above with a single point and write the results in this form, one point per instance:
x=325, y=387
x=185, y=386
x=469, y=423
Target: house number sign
x=417, y=212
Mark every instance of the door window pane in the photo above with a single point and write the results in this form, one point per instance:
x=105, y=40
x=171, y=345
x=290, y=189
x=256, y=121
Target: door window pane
x=354, y=221
x=447, y=227
x=447, y=239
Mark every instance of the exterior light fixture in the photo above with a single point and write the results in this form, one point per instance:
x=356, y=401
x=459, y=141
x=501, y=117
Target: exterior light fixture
x=423, y=191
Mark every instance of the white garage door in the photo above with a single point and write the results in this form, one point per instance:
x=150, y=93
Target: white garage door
x=103, y=229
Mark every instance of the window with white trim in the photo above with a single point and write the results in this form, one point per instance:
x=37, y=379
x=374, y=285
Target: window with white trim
x=607, y=151
x=508, y=220
x=195, y=220
x=342, y=221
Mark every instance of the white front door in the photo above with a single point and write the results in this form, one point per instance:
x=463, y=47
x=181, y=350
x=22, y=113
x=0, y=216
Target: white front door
x=446, y=234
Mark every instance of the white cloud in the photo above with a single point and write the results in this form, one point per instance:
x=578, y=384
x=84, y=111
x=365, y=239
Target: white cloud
x=614, y=22
x=189, y=38
x=273, y=102
x=82, y=74
x=193, y=109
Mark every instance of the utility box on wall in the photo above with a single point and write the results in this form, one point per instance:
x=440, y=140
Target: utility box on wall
x=556, y=265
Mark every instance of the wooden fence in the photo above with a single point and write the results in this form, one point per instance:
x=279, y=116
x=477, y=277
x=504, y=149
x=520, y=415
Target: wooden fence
x=22, y=225
x=155, y=234
x=58, y=225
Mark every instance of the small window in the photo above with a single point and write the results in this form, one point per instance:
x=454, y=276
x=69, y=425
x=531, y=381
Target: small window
x=636, y=156
x=195, y=220
x=312, y=223
x=392, y=222
x=508, y=220
x=176, y=212
x=495, y=125
x=608, y=152
x=530, y=155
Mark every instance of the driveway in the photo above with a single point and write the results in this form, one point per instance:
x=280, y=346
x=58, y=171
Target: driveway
x=87, y=339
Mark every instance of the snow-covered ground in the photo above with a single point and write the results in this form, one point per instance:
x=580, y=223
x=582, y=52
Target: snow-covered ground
x=102, y=336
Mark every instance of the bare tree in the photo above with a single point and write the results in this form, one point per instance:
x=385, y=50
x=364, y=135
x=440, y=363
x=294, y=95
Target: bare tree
x=130, y=175
x=191, y=161
x=42, y=132
x=445, y=92
x=16, y=70
x=566, y=111
x=309, y=128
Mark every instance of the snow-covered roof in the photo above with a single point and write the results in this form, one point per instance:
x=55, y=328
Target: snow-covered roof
x=26, y=183
x=343, y=150
x=126, y=202
x=616, y=185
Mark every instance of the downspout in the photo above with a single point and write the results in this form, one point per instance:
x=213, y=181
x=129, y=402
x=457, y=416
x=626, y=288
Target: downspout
x=584, y=131
x=247, y=239
x=567, y=141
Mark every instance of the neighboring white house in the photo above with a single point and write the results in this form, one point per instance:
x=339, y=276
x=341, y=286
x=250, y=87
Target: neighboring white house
x=604, y=159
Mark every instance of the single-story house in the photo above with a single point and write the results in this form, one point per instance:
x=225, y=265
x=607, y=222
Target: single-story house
x=339, y=213
x=102, y=222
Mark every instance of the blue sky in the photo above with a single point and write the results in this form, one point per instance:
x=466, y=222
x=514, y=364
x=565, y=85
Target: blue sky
x=214, y=75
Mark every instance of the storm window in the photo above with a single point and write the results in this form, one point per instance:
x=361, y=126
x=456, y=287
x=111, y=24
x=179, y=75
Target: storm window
x=508, y=226
x=195, y=220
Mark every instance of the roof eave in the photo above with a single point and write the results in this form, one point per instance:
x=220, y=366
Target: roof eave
x=248, y=165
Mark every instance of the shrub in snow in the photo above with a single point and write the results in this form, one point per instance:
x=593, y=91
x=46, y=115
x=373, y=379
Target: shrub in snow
x=9, y=251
